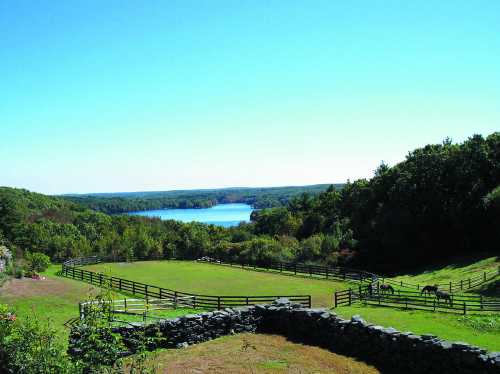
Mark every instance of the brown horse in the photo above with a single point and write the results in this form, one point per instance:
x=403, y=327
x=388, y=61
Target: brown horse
x=429, y=289
x=445, y=296
x=386, y=288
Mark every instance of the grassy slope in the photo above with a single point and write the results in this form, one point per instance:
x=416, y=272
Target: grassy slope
x=55, y=298
x=453, y=273
x=482, y=330
x=221, y=280
x=251, y=353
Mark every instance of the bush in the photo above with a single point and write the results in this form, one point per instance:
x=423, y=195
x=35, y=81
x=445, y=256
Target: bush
x=37, y=262
x=30, y=347
x=18, y=272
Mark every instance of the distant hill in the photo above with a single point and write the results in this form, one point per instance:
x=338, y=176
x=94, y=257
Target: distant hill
x=258, y=197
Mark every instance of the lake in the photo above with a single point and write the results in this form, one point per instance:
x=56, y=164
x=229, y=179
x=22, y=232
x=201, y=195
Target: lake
x=225, y=215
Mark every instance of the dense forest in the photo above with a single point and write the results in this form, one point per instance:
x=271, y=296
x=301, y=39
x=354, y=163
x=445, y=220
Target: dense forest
x=443, y=200
x=264, y=197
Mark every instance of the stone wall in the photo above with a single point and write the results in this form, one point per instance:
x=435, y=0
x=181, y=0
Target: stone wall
x=389, y=349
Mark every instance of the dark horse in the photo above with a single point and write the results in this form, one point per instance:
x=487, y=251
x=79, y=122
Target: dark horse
x=429, y=289
x=445, y=296
x=386, y=288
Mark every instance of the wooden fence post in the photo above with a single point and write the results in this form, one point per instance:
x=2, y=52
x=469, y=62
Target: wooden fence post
x=484, y=276
x=309, y=301
x=326, y=272
x=450, y=286
x=295, y=268
x=465, y=310
x=218, y=302
x=350, y=296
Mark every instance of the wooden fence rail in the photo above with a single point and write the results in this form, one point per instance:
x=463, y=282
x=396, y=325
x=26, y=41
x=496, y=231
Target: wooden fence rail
x=454, y=286
x=326, y=272
x=70, y=269
x=415, y=300
x=342, y=273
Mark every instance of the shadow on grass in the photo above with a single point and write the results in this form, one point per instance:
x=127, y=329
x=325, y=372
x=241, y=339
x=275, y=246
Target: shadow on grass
x=450, y=264
x=490, y=290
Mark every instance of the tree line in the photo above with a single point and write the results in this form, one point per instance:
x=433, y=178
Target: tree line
x=267, y=197
x=443, y=200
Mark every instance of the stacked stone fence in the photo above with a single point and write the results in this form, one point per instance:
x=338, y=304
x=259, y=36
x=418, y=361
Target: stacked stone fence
x=389, y=349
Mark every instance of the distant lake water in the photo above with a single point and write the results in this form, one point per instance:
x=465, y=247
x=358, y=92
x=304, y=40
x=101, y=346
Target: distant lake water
x=225, y=215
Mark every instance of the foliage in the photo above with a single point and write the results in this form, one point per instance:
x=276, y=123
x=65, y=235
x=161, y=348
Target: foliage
x=133, y=201
x=93, y=347
x=440, y=202
x=30, y=347
x=37, y=262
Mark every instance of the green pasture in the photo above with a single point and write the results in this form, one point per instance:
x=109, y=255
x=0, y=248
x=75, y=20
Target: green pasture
x=460, y=270
x=55, y=299
x=221, y=280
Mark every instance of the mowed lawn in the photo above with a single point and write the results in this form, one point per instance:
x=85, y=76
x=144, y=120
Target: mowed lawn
x=55, y=298
x=253, y=353
x=208, y=279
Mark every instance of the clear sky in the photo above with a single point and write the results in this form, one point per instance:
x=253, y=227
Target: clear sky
x=99, y=96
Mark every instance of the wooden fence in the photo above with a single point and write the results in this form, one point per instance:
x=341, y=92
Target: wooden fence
x=415, y=300
x=137, y=306
x=326, y=272
x=460, y=285
x=70, y=269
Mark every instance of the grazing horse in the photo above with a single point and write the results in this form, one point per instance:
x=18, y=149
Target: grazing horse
x=429, y=289
x=445, y=296
x=386, y=288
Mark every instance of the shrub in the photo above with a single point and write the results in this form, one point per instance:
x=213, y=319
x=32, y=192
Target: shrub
x=18, y=272
x=37, y=262
x=31, y=347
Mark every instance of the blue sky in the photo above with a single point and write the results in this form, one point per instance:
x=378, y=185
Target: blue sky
x=154, y=95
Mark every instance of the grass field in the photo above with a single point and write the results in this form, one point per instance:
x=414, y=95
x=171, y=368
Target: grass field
x=210, y=279
x=57, y=298
x=460, y=270
x=54, y=298
x=251, y=353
